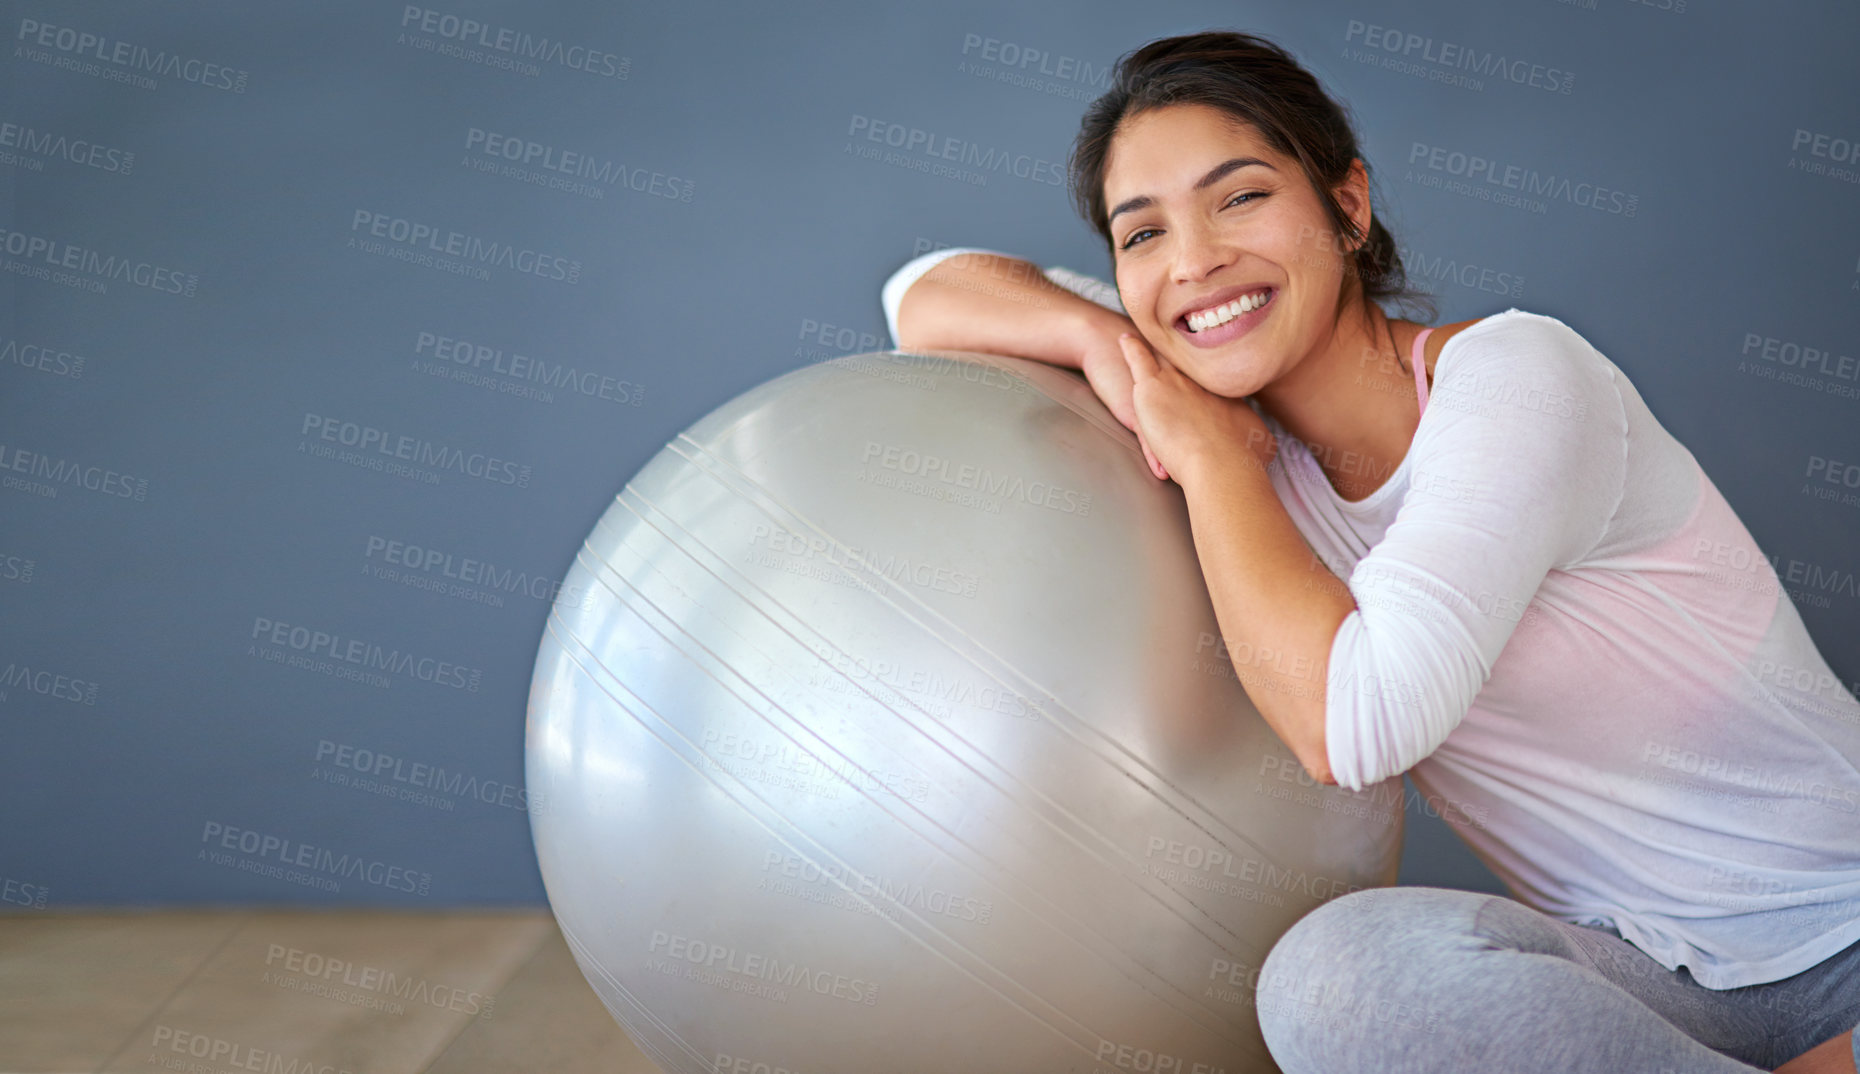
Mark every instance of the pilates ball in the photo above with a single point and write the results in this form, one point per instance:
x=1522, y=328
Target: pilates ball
x=889, y=728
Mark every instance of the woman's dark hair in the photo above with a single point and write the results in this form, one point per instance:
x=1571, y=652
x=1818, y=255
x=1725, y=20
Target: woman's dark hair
x=1257, y=82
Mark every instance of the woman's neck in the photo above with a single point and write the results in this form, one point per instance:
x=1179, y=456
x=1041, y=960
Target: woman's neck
x=1352, y=401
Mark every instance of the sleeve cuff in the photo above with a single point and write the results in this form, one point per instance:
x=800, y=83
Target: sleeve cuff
x=893, y=293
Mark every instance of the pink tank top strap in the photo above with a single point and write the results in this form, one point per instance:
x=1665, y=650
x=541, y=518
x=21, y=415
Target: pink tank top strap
x=1419, y=361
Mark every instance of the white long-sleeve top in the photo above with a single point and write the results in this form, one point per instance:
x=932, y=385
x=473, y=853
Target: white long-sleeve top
x=1565, y=635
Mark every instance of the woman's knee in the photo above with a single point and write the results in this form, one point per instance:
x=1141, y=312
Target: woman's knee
x=1353, y=928
x=1325, y=969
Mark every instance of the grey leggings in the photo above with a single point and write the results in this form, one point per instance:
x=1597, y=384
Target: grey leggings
x=1392, y=980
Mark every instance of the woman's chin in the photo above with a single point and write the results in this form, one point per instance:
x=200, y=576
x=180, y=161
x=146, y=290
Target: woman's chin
x=1227, y=383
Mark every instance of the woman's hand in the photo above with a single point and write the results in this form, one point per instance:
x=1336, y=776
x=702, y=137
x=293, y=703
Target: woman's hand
x=1182, y=424
x=1108, y=372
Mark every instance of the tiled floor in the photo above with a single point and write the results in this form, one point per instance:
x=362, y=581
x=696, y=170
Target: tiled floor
x=325, y=993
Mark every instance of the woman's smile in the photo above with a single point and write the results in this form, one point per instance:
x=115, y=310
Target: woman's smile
x=1226, y=320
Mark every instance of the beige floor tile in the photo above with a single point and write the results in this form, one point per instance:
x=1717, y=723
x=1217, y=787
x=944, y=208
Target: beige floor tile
x=547, y=1018
x=73, y=987
x=359, y=992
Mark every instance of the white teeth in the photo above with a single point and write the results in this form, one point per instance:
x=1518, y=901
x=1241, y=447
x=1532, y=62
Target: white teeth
x=1219, y=315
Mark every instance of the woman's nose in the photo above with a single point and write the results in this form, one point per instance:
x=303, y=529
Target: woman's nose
x=1199, y=251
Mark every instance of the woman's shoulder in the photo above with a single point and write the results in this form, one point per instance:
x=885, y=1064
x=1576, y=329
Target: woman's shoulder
x=1509, y=328
x=1527, y=387
x=1520, y=345
x=1516, y=380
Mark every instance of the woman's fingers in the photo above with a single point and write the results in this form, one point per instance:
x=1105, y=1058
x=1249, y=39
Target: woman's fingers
x=1124, y=405
x=1109, y=377
x=1141, y=361
x=1156, y=467
x=1142, y=364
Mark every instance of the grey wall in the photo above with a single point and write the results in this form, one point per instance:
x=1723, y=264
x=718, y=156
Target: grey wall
x=297, y=370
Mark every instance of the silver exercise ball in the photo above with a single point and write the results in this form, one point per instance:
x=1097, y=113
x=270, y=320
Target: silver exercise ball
x=889, y=729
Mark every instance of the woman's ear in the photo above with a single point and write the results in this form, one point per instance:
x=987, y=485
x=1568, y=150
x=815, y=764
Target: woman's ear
x=1353, y=197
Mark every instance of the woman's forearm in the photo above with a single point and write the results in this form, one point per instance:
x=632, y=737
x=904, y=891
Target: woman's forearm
x=1003, y=305
x=1278, y=606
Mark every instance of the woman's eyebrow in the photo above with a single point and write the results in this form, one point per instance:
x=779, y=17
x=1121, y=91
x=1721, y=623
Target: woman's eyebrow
x=1216, y=174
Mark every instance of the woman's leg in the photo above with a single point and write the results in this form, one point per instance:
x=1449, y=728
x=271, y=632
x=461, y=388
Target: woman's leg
x=1820, y=1030
x=1418, y=979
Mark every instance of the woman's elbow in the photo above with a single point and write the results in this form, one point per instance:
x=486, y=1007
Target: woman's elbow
x=1316, y=761
x=1320, y=771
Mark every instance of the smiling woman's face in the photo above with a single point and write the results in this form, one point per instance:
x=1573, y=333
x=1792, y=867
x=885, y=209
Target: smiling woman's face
x=1204, y=215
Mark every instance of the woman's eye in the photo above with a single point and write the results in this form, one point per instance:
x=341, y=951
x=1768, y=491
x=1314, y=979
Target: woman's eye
x=1237, y=199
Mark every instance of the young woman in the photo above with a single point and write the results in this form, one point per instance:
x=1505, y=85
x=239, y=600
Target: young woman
x=1514, y=584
